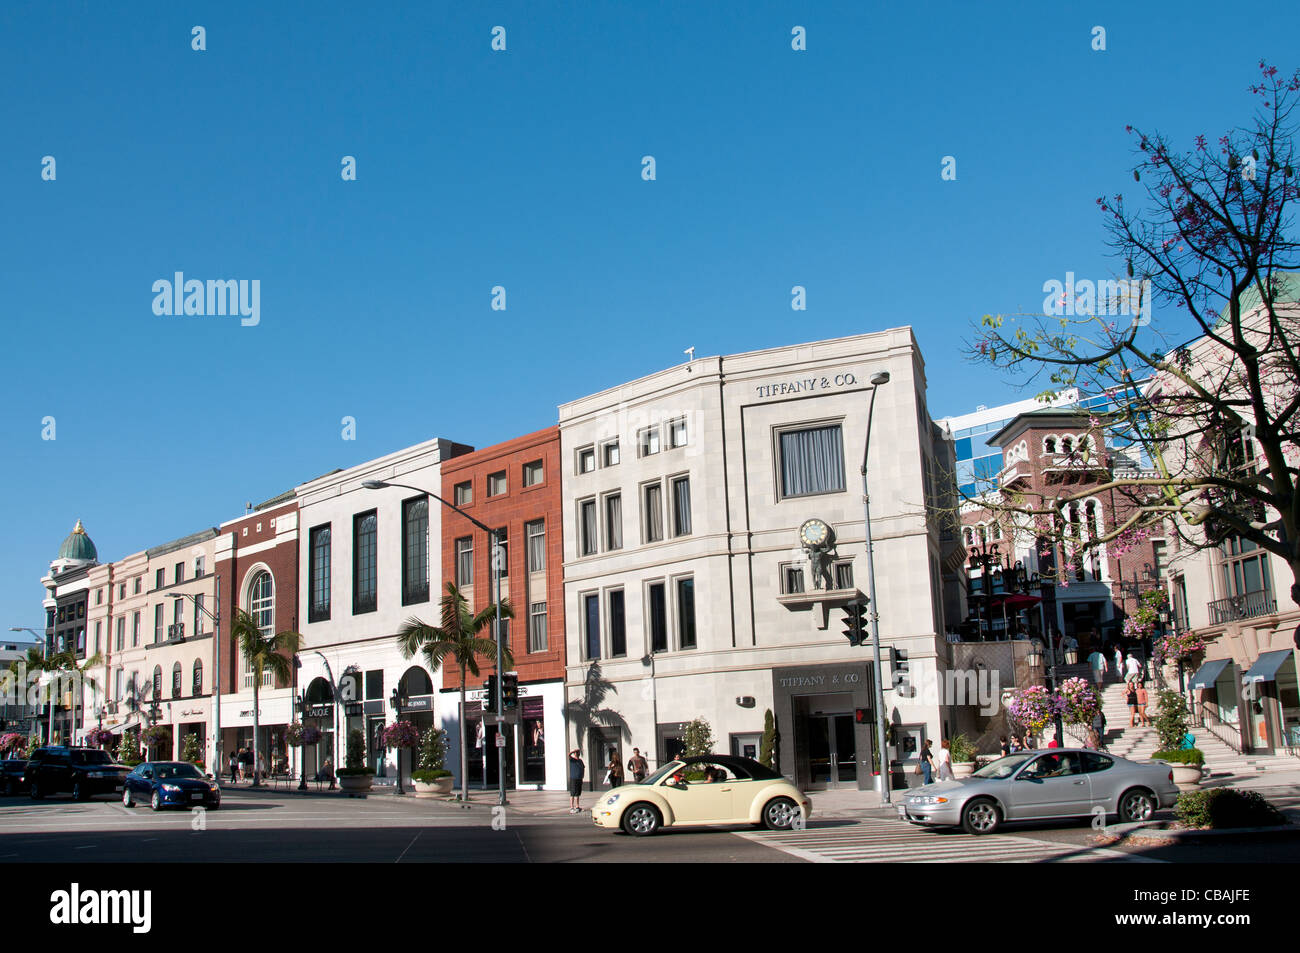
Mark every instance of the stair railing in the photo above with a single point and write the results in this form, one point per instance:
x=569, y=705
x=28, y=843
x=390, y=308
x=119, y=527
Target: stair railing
x=1226, y=732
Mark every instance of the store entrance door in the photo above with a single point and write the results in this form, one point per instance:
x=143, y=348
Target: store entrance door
x=490, y=772
x=828, y=737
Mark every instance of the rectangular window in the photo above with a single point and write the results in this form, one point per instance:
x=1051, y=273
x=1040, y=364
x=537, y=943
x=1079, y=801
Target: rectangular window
x=117, y=684
x=415, y=551
x=158, y=579
x=533, y=473
x=648, y=441
x=682, y=506
x=844, y=575
x=811, y=461
x=365, y=577
x=677, y=433
x=99, y=630
x=537, y=641
x=587, y=460
x=178, y=612
x=587, y=529
x=375, y=684
x=318, y=610
x=614, y=521
x=611, y=453
x=198, y=614
x=617, y=625
x=139, y=585
x=121, y=590
x=99, y=597
x=158, y=622
x=180, y=572
x=135, y=628
x=535, y=536
x=501, y=556
x=591, y=619
x=198, y=567
x=792, y=581
x=653, y=494
x=464, y=493
x=658, y=617
x=1158, y=558
x=464, y=562
x=686, y=613
x=496, y=483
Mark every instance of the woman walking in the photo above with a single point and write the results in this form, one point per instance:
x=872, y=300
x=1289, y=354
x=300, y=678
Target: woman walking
x=927, y=763
x=945, y=761
x=1132, y=700
x=615, y=767
x=1143, y=699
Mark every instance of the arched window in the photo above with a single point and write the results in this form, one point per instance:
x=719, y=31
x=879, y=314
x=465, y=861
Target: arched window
x=1067, y=444
x=157, y=682
x=970, y=537
x=176, y=680
x=197, y=687
x=1093, y=518
x=261, y=606
x=1049, y=445
x=997, y=530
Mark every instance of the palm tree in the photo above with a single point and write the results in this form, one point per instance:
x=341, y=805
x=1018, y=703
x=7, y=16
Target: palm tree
x=263, y=652
x=457, y=637
x=54, y=666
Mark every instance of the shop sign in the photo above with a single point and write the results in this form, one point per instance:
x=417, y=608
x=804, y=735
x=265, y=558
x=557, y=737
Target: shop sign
x=374, y=707
x=819, y=681
x=419, y=703
x=352, y=709
x=319, y=711
x=477, y=694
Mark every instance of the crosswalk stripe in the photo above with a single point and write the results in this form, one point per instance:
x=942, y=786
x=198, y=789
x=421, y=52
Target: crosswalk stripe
x=891, y=841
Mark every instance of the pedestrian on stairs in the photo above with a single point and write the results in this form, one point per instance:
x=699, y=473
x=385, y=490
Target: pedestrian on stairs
x=1099, y=727
x=1097, y=661
x=1132, y=668
x=1132, y=700
x=1143, y=699
x=1119, y=661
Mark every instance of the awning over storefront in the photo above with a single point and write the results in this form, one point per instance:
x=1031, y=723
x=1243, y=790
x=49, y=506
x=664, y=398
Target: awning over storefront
x=1266, y=666
x=118, y=729
x=1209, y=673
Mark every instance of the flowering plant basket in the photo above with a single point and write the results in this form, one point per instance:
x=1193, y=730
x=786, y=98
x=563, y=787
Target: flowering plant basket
x=99, y=736
x=1178, y=645
x=310, y=735
x=1079, y=702
x=401, y=734
x=293, y=734
x=12, y=741
x=1033, y=708
x=155, y=734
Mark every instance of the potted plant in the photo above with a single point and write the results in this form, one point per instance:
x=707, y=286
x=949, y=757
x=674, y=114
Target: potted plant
x=99, y=737
x=431, y=778
x=1176, y=750
x=355, y=777
x=128, y=749
x=156, y=735
x=192, y=749
x=963, y=756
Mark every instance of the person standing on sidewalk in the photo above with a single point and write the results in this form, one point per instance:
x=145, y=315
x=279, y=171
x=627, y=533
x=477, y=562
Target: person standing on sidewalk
x=638, y=766
x=615, y=769
x=577, y=771
x=945, y=761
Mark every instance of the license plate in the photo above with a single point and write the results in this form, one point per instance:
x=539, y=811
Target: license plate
x=117, y=787
x=196, y=796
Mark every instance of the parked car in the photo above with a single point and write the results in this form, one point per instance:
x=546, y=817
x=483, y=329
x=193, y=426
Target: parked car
x=1039, y=785
x=11, y=775
x=170, y=784
x=83, y=771
x=712, y=789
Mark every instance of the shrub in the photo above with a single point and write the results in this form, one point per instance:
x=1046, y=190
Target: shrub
x=1181, y=756
x=961, y=750
x=697, y=738
x=430, y=775
x=433, y=749
x=1227, y=808
x=355, y=756
x=1171, y=720
x=192, y=749
x=767, y=747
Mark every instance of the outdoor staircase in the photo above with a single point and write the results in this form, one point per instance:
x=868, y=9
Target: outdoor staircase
x=1138, y=743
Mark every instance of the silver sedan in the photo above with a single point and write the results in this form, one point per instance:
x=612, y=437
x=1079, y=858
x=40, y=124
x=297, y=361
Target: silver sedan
x=1038, y=785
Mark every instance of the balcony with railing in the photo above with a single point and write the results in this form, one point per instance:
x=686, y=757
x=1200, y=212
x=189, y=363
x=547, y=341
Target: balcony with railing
x=1249, y=605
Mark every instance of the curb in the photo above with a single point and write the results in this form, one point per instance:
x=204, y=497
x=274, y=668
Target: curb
x=1148, y=828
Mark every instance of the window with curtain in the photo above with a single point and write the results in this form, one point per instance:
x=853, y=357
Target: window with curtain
x=364, y=565
x=196, y=686
x=415, y=551
x=198, y=614
x=121, y=634
x=654, y=512
x=319, y=608
x=614, y=521
x=157, y=682
x=537, y=641
x=158, y=623
x=658, y=617
x=617, y=625
x=682, y=506
x=811, y=461
x=591, y=618
x=176, y=680
x=588, y=532
x=464, y=562
x=1244, y=568
x=686, y=613
x=533, y=473
x=535, y=542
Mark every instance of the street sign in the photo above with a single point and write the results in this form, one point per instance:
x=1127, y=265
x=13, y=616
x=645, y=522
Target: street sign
x=501, y=741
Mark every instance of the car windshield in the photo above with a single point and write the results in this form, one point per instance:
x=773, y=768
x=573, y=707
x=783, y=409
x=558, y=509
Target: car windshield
x=1003, y=767
x=164, y=771
x=91, y=757
x=662, y=772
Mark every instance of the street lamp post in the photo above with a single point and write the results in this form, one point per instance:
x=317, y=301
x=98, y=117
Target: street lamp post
x=398, y=701
x=216, y=668
x=495, y=538
x=334, y=688
x=877, y=379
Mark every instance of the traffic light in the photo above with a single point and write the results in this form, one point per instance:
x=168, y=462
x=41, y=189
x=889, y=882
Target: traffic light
x=855, y=622
x=901, y=671
x=490, y=694
x=509, y=692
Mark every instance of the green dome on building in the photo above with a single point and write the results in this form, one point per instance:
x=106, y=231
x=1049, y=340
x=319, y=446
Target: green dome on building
x=78, y=546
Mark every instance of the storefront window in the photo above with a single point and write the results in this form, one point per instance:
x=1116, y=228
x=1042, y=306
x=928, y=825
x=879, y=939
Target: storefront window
x=474, y=743
x=533, y=735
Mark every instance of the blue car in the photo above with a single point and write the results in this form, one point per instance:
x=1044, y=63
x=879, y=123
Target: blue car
x=170, y=784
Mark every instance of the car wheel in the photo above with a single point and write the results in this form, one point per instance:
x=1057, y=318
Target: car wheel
x=78, y=793
x=980, y=816
x=35, y=791
x=779, y=814
x=155, y=802
x=641, y=820
x=127, y=800
x=11, y=787
x=1136, y=805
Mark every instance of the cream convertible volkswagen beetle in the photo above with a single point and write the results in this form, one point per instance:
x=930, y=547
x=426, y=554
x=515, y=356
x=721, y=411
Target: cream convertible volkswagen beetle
x=712, y=789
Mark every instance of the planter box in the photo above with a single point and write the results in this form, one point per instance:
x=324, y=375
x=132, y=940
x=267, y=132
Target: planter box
x=355, y=783
x=963, y=769
x=439, y=788
x=1187, y=776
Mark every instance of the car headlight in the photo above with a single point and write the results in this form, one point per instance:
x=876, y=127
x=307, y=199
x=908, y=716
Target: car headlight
x=612, y=799
x=171, y=788
x=927, y=799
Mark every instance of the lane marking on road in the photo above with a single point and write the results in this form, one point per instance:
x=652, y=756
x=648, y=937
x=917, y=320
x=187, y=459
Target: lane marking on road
x=408, y=847
x=873, y=840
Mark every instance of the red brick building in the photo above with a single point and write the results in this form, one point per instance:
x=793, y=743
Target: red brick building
x=513, y=486
x=1049, y=454
x=257, y=571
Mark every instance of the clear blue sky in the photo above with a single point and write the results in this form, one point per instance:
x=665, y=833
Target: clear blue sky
x=522, y=169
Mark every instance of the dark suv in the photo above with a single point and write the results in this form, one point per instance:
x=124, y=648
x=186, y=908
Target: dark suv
x=83, y=771
x=11, y=775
